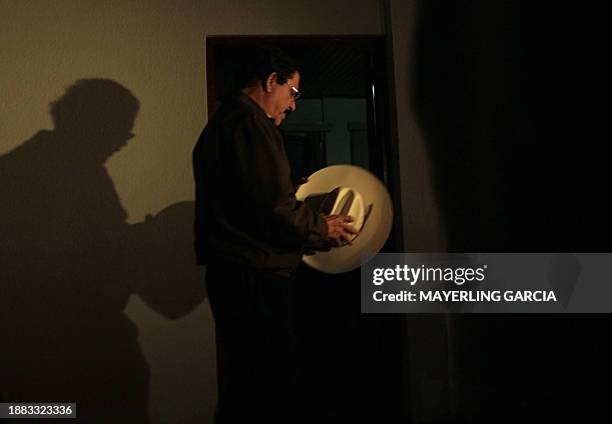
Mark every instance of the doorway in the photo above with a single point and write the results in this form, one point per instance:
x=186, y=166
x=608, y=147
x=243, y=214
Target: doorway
x=352, y=359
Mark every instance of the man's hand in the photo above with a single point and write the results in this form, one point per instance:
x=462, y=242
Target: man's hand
x=339, y=230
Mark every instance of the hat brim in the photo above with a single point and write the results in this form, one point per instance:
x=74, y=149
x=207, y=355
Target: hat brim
x=374, y=233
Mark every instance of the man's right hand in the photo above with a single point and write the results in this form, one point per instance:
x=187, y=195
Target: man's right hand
x=339, y=229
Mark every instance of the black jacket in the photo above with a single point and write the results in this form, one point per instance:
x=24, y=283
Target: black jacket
x=246, y=211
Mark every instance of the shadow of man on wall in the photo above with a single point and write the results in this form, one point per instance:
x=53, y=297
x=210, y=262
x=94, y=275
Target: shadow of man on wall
x=69, y=262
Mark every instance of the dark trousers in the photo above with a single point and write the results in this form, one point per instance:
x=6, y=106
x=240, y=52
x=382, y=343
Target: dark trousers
x=259, y=360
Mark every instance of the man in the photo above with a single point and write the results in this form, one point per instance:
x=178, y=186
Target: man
x=251, y=233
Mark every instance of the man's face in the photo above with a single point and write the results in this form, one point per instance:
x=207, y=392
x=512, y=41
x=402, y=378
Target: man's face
x=283, y=98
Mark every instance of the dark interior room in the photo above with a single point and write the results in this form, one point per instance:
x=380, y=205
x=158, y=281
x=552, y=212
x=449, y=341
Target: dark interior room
x=484, y=121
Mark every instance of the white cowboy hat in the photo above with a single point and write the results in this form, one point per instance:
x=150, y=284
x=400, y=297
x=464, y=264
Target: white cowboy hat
x=349, y=190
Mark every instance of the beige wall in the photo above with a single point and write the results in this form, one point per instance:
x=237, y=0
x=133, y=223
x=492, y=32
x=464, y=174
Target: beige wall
x=426, y=372
x=423, y=230
x=156, y=49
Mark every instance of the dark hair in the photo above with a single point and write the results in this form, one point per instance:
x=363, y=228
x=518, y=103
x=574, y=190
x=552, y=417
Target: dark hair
x=260, y=62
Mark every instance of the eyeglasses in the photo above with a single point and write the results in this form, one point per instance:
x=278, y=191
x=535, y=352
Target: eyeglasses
x=294, y=91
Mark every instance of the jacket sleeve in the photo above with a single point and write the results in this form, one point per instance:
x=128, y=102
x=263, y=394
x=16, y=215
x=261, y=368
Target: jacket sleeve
x=261, y=169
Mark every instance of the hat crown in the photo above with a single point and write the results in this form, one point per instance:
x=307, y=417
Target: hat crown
x=350, y=202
